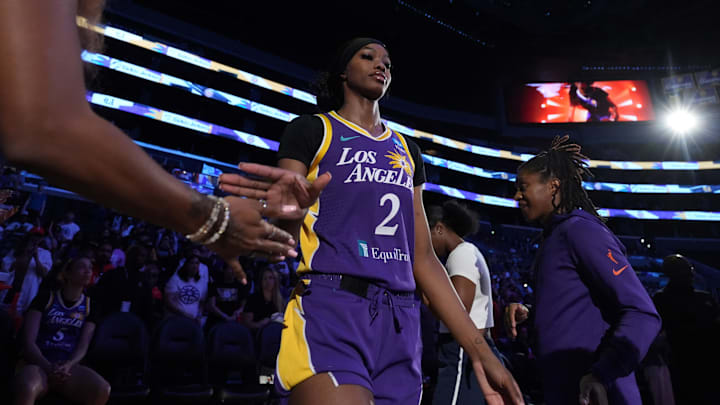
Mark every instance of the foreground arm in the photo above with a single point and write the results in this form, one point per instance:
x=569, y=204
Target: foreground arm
x=288, y=193
x=47, y=126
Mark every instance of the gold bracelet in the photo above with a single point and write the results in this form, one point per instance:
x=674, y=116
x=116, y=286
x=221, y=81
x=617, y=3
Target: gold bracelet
x=223, y=226
x=201, y=233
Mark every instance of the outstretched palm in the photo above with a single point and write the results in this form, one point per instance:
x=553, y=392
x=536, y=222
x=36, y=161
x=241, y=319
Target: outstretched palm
x=288, y=194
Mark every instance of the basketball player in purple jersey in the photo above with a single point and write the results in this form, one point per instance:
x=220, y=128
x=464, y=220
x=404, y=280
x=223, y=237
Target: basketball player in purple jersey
x=353, y=328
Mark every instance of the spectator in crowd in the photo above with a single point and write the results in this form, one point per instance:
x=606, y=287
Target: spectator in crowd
x=127, y=227
x=51, y=240
x=58, y=328
x=283, y=271
x=68, y=228
x=148, y=299
x=691, y=320
x=117, y=258
x=20, y=223
x=203, y=270
x=265, y=302
x=166, y=248
x=185, y=292
x=27, y=265
x=116, y=290
x=226, y=299
x=102, y=263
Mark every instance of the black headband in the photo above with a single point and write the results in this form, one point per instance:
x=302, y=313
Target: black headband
x=347, y=51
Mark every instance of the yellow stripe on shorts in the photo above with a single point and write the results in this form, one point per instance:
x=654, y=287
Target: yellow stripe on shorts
x=294, y=363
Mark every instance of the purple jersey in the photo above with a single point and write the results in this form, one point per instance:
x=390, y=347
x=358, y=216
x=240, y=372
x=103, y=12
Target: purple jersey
x=60, y=327
x=363, y=223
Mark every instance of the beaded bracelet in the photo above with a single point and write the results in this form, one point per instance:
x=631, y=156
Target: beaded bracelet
x=223, y=226
x=201, y=233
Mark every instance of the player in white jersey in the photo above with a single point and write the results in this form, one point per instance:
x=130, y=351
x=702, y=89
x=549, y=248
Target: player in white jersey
x=470, y=276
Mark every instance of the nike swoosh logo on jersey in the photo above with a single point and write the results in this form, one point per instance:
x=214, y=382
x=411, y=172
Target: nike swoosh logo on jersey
x=617, y=272
x=348, y=138
x=610, y=256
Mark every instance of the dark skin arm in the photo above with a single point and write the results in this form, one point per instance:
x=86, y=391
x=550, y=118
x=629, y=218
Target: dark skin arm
x=215, y=310
x=63, y=370
x=250, y=321
x=47, y=126
x=41, y=270
x=465, y=290
x=32, y=352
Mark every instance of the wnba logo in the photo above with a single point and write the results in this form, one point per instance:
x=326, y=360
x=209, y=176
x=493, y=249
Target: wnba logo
x=363, y=248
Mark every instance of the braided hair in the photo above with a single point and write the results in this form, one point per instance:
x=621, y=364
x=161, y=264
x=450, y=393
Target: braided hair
x=565, y=162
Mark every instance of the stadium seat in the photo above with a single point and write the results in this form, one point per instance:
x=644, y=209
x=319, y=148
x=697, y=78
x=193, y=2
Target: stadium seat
x=269, y=344
x=232, y=364
x=178, y=369
x=119, y=354
x=8, y=354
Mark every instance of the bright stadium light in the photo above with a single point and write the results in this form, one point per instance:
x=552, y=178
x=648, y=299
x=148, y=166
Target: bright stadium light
x=681, y=121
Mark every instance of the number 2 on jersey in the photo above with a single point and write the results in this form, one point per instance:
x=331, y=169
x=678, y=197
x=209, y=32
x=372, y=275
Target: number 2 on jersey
x=383, y=228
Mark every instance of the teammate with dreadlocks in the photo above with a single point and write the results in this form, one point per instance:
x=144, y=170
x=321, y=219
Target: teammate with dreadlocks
x=593, y=319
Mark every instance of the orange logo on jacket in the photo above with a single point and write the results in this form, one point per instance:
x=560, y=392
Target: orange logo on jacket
x=616, y=272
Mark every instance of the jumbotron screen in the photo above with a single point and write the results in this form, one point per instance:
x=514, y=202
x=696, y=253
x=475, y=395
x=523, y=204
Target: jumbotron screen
x=586, y=101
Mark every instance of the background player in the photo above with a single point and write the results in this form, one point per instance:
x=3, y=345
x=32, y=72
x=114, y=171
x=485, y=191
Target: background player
x=593, y=319
x=470, y=276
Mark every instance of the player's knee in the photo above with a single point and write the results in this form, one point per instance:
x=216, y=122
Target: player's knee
x=29, y=385
x=102, y=393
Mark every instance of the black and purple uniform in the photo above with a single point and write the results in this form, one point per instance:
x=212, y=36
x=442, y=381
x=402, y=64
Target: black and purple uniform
x=358, y=319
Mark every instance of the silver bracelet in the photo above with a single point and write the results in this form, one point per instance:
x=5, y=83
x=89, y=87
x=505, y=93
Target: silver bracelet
x=223, y=226
x=201, y=233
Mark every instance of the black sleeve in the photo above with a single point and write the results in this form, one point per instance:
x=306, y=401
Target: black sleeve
x=301, y=139
x=251, y=304
x=212, y=290
x=419, y=177
x=41, y=300
x=93, y=313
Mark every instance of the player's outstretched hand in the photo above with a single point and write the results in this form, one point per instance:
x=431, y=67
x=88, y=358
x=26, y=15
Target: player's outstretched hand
x=287, y=194
x=249, y=234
